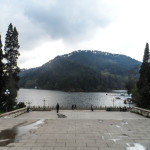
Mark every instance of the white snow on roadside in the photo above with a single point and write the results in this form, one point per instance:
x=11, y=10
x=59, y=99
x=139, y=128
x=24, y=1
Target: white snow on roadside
x=136, y=146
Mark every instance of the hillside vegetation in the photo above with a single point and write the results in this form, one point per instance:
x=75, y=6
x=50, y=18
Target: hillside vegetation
x=81, y=71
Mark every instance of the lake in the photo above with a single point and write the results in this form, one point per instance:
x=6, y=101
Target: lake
x=82, y=99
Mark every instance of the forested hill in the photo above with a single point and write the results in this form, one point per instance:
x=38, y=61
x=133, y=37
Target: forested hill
x=81, y=71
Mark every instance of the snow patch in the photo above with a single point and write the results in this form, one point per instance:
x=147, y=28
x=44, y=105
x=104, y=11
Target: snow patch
x=124, y=123
x=118, y=126
x=115, y=140
x=136, y=146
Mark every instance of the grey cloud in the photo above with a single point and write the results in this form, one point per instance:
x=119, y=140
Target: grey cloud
x=68, y=19
x=30, y=35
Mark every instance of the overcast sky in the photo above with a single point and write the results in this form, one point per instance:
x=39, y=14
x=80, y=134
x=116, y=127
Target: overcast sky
x=48, y=28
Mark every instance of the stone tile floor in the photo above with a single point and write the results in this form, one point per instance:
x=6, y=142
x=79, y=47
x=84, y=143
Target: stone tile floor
x=80, y=130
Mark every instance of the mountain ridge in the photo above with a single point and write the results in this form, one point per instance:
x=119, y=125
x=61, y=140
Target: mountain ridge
x=81, y=70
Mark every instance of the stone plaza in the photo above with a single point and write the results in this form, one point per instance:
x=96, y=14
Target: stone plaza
x=77, y=130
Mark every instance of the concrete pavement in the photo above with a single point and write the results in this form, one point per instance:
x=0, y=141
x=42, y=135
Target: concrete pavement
x=80, y=130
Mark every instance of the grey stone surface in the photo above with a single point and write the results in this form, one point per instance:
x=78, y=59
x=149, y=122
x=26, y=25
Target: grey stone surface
x=80, y=130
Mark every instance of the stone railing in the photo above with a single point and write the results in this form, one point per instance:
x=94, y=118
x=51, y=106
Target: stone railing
x=40, y=108
x=140, y=111
x=13, y=114
x=49, y=108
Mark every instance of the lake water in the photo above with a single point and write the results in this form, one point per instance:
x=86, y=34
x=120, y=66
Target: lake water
x=66, y=99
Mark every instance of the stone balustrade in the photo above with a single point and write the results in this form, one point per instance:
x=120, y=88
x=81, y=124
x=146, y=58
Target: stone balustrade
x=49, y=108
x=40, y=108
x=13, y=114
x=141, y=111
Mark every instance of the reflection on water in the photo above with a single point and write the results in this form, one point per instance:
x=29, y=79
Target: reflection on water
x=21, y=130
x=82, y=99
x=7, y=136
x=13, y=135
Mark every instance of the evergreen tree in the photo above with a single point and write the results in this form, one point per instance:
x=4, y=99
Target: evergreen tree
x=143, y=84
x=143, y=80
x=12, y=70
x=2, y=80
x=16, y=69
x=133, y=77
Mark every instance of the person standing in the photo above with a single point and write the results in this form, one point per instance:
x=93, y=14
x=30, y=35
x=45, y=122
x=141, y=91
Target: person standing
x=92, y=107
x=75, y=107
x=72, y=107
x=57, y=107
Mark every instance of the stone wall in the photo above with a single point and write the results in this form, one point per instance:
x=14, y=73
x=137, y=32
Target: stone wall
x=13, y=114
x=141, y=111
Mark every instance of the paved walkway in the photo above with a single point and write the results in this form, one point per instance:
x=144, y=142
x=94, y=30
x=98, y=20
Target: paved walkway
x=78, y=130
